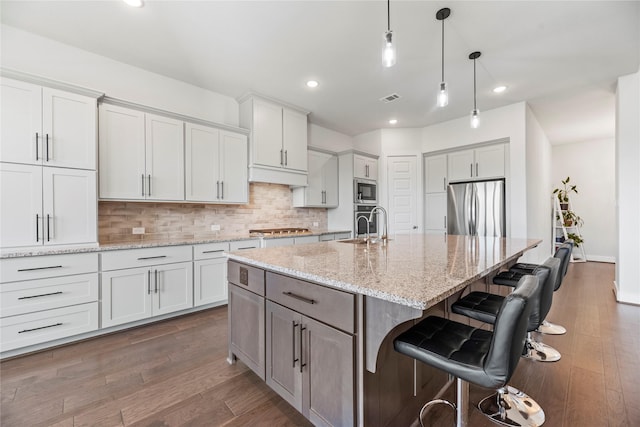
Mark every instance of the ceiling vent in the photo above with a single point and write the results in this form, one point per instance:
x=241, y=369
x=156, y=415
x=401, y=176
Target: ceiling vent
x=390, y=98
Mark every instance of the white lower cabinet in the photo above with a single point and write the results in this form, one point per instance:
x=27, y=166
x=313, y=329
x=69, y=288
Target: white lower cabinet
x=138, y=293
x=210, y=274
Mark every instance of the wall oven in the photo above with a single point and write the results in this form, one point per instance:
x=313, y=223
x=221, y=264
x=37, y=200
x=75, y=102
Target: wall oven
x=365, y=192
x=360, y=227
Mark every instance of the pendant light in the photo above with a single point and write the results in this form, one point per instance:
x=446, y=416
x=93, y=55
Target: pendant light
x=443, y=95
x=475, y=113
x=388, y=47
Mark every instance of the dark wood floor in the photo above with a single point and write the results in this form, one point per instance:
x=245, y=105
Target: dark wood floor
x=174, y=373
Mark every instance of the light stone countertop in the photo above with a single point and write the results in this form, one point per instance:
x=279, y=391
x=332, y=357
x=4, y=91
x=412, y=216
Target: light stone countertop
x=197, y=240
x=412, y=270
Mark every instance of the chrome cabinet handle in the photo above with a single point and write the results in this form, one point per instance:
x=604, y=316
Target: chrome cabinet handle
x=281, y=158
x=302, y=329
x=39, y=268
x=299, y=297
x=212, y=252
x=151, y=257
x=41, y=327
x=48, y=228
x=444, y=183
x=148, y=282
x=246, y=247
x=37, y=158
x=47, y=145
x=222, y=189
x=293, y=343
x=37, y=228
x=477, y=169
x=217, y=189
x=41, y=295
x=471, y=169
x=155, y=290
x=142, y=184
x=286, y=157
x=149, y=189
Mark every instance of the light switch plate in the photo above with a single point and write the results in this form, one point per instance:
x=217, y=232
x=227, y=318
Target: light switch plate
x=215, y=227
x=137, y=230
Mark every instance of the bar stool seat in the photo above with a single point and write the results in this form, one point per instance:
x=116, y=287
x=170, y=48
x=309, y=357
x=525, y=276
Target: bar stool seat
x=474, y=355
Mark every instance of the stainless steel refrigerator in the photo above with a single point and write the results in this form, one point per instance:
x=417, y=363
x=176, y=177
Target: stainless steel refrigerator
x=476, y=208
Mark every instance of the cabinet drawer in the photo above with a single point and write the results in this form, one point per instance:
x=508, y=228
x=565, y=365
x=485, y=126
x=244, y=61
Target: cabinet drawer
x=246, y=277
x=244, y=244
x=210, y=250
x=44, y=294
x=40, y=267
x=43, y=326
x=306, y=239
x=327, y=305
x=145, y=257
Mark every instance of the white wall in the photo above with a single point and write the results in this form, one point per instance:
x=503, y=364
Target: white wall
x=628, y=188
x=32, y=54
x=328, y=139
x=370, y=142
x=592, y=167
x=539, y=207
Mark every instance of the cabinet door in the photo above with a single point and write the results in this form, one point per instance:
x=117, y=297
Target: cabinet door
x=210, y=281
x=21, y=207
x=435, y=173
x=359, y=167
x=294, y=137
x=267, y=134
x=69, y=206
x=69, y=125
x=314, y=192
x=164, y=158
x=246, y=328
x=460, y=165
x=372, y=169
x=172, y=287
x=490, y=161
x=435, y=212
x=329, y=380
x=284, y=372
x=126, y=295
x=233, y=168
x=331, y=182
x=21, y=115
x=202, y=163
x=122, y=153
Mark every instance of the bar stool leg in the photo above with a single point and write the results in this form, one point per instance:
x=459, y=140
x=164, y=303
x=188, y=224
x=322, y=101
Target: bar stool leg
x=511, y=407
x=462, y=403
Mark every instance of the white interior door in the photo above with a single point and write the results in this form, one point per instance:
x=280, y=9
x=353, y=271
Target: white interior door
x=401, y=185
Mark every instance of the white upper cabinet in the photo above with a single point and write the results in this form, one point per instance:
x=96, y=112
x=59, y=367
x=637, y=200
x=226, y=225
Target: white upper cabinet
x=47, y=206
x=278, y=144
x=50, y=127
x=141, y=155
x=435, y=173
x=480, y=163
x=216, y=165
x=365, y=167
x=322, y=188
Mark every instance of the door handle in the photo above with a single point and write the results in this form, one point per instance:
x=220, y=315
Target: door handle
x=48, y=227
x=302, y=365
x=281, y=157
x=142, y=176
x=37, y=158
x=47, y=145
x=444, y=183
x=149, y=179
x=471, y=169
x=217, y=189
x=37, y=228
x=286, y=157
x=155, y=290
x=222, y=189
x=293, y=343
x=148, y=282
x=477, y=169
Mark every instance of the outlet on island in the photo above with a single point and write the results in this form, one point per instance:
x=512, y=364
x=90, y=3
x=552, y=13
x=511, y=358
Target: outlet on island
x=215, y=227
x=137, y=230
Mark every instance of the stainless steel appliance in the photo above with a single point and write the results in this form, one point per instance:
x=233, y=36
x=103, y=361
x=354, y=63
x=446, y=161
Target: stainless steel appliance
x=360, y=226
x=476, y=208
x=365, y=192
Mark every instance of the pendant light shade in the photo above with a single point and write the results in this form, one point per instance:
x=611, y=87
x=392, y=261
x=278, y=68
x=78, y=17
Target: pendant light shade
x=389, y=54
x=443, y=93
x=475, y=113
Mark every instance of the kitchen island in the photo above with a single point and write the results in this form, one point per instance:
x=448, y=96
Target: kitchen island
x=317, y=321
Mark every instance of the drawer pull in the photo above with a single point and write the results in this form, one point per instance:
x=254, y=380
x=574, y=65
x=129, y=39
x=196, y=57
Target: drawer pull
x=40, y=268
x=246, y=247
x=212, y=252
x=41, y=295
x=151, y=257
x=301, y=298
x=41, y=327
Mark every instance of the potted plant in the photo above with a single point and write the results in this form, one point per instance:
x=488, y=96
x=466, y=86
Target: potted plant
x=563, y=193
x=569, y=218
x=576, y=239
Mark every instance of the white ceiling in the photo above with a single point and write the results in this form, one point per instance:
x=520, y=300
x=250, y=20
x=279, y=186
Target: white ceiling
x=563, y=58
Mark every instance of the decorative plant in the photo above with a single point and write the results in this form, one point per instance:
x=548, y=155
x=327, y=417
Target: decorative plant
x=570, y=218
x=563, y=193
x=576, y=239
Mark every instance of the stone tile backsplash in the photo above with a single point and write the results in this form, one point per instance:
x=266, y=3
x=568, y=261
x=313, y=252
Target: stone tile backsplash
x=269, y=207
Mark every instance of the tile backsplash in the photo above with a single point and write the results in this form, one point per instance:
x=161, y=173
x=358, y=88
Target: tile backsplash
x=269, y=207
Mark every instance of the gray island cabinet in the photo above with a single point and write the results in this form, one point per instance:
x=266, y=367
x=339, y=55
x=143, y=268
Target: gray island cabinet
x=317, y=321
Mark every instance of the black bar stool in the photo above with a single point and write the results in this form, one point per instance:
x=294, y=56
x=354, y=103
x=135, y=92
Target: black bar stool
x=474, y=355
x=511, y=277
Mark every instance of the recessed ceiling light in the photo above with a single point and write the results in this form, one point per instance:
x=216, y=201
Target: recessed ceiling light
x=393, y=121
x=499, y=89
x=312, y=83
x=134, y=3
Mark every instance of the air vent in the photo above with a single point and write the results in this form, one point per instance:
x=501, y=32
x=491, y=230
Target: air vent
x=390, y=98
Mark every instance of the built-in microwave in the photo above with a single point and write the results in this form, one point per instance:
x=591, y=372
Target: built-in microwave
x=365, y=191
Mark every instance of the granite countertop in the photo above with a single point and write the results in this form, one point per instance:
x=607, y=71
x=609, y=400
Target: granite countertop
x=139, y=244
x=412, y=270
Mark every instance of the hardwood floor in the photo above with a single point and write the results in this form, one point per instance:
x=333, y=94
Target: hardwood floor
x=174, y=373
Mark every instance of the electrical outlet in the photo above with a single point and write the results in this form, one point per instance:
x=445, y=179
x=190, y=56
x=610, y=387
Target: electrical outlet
x=215, y=227
x=315, y=224
x=137, y=230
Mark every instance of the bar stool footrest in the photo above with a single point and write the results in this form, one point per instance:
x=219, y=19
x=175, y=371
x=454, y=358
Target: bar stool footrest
x=512, y=408
x=430, y=403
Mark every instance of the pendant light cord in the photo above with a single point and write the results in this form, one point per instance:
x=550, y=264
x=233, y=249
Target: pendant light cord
x=474, y=84
x=388, y=15
x=442, y=50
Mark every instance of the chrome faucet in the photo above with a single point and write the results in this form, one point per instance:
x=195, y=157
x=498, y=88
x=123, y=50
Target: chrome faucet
x=383, y=235
x=366, y=221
